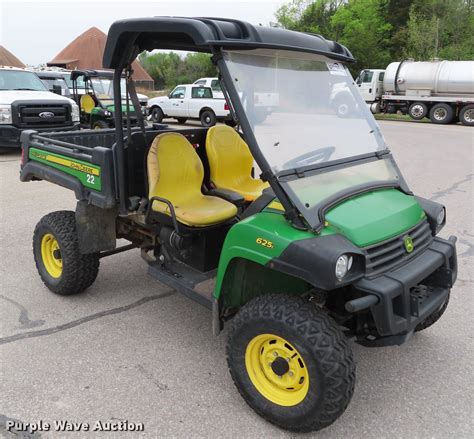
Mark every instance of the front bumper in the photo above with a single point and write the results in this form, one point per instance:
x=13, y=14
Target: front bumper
x=10, y=134
x=409, y=294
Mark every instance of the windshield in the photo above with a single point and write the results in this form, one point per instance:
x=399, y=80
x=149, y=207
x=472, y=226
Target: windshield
x=103, y=88
x=20, y=80
x=312, y=127
x=312, y=112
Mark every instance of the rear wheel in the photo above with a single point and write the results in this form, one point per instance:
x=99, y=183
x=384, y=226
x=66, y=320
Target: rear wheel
x=181, y=120
x=466, y=115
x=61, y=266
x=290, y=362
x=157, y=114
x=418, y=110
x=441, y=114
x=208, y=118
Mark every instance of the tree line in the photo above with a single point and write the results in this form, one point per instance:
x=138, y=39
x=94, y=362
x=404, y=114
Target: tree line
x=169, y=69
x=380, y=31
x=375, y=31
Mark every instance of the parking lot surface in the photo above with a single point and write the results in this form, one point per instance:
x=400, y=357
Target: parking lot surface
x=131, y=349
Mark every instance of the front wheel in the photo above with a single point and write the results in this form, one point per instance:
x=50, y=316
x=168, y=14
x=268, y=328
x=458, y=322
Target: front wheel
x=290, y=362
x=208, y=118
x=433, y=318
x=157, y=114
x=61, y=266
x=100, y=124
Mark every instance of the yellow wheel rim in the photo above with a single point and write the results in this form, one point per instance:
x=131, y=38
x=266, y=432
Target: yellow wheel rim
x=51, y=255
x=277, y=369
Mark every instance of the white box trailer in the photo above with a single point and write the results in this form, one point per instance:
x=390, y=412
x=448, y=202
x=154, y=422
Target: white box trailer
x=440, y=90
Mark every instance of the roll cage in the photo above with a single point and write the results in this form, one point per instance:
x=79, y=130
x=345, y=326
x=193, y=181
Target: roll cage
x=127, y=38
x=88, y=74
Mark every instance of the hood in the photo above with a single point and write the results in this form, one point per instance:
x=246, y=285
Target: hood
x=9, y=96
x=111, y=108
x=158, y=100
x=375, y=216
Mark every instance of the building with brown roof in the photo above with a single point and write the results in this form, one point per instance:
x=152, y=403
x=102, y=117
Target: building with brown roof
x=8, y=59
x=86, y=51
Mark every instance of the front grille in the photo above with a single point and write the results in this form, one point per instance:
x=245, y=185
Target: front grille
x=29, y=115
x=391, y=253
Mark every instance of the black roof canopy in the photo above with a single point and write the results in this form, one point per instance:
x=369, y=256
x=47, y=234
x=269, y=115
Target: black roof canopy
x=90, y=73
x=127, y=38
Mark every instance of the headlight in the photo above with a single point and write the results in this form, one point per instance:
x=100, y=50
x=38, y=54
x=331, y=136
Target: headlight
x=75, y=114
x=5, y=114
x=343, y=265
x=440, y=217
x=107, y=113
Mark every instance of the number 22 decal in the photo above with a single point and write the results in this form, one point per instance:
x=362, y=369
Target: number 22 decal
x=90, y=179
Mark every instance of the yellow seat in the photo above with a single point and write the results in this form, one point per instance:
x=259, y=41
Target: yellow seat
x=175, y=173
x=231, y=163
x=87, y=103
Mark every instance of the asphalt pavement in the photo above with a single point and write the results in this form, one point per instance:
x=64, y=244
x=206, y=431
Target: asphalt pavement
x=131, y=349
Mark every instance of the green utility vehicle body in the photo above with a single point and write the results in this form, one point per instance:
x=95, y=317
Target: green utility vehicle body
x=334, y=239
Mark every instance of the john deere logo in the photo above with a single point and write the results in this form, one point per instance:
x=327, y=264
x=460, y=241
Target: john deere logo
x=408, y=241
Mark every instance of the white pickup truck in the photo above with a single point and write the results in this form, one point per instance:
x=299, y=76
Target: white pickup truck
x=189, y=101
x=27, y=104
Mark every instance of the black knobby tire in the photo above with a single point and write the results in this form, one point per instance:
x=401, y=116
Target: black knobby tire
x=79, y=270
x=418, y=111
x=100, y=124
x=208, y=118
x=157, y=114
x=433, y=318
x=181, y=120
x=322, y=346
x=466, y=115
x=441, y=114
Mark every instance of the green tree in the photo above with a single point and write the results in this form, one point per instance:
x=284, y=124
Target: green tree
x=360, y=25
x=397, y=13
x=168, y=69
x=441, y=29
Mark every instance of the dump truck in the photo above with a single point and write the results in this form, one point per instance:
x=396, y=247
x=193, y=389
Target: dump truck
x=442, y=91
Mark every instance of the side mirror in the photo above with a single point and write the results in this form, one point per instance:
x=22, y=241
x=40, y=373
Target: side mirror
x=57, y=89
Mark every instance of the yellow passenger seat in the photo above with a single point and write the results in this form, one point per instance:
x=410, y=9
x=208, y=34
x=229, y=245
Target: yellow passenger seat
x=175, y=173
x=231, y=163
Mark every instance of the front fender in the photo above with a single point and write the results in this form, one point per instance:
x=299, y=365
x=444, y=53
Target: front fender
x=260, y=238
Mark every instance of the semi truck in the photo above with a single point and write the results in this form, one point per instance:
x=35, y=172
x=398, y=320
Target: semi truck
x=442, y=91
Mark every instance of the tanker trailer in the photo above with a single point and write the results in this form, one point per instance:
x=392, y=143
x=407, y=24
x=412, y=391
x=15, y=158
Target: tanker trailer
x=440, y=90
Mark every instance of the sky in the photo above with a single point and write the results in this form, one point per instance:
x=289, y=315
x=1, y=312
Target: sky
x=36, y=31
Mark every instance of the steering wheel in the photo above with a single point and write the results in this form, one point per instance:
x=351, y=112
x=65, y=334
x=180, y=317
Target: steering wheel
x=320, y=155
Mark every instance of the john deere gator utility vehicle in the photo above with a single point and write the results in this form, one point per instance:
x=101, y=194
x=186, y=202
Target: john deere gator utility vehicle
x=95, y=98
x=298, y=232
